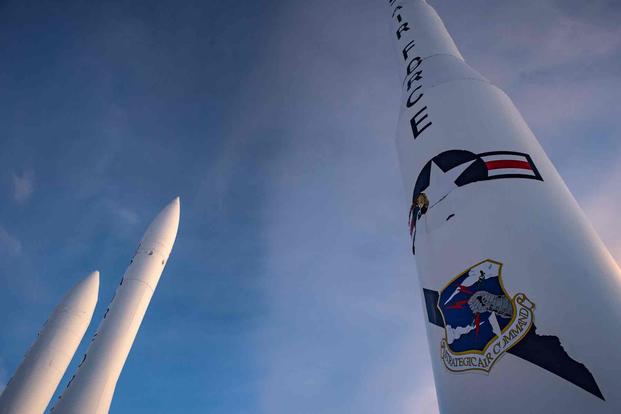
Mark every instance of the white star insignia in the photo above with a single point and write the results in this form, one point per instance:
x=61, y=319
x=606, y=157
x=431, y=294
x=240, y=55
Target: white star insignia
x=442, y=183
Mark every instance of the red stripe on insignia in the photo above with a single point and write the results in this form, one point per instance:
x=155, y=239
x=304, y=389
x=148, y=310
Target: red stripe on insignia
x=495, y=165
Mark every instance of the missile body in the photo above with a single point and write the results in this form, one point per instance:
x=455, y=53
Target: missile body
x=33, y=384
x=92, y=387
x=521, y=297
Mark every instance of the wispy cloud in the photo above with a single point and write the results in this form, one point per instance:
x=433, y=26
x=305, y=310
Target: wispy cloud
x=125, y=214
x=23, y=186
x=9, y=243
x=558, y=61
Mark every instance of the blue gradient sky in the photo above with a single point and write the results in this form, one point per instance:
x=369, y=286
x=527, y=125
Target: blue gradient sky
x=291, y=287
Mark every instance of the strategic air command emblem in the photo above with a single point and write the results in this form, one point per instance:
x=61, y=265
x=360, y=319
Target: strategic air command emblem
x=481, y=320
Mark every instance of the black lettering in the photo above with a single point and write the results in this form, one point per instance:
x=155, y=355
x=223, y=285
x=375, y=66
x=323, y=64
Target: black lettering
x=407, y=48
x=414, y=123
x=418, y=61
x=409, y=103
x=395, y=10
x=417, y=76
x=403, y=28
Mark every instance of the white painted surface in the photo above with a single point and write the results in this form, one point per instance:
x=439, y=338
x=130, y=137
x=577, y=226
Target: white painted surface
x=31, y=388
x=92, y=388
x=536, y=229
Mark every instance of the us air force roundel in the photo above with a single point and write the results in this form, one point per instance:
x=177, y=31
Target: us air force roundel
x=457, y=168
x=481, y=320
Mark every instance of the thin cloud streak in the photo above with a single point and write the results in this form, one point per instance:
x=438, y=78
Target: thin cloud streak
x=9, y=244
x=559, y=66
x=23, y=186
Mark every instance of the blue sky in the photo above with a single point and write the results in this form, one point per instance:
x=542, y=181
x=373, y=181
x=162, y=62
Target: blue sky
x=291, y=287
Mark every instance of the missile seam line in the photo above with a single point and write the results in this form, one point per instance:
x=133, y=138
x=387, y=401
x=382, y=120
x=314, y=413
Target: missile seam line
x=155, y=250
x=431, y=56
x=143, y=282
x=442, y=54
x=428, y=88
x=155, y=244
x=461, y=80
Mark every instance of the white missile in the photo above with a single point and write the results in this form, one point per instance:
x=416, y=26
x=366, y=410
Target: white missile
x=92, y=387
x=29, y=391
x=521, y=297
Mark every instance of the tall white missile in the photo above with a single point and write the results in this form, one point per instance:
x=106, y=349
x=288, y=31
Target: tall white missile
x=521, y=297
x=92, y=387
x=30, y=389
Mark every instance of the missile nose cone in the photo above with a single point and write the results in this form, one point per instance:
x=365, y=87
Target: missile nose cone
x=163, y=229
x=83, y=296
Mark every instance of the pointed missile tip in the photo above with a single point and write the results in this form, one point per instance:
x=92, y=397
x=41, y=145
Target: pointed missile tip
x=83, y=296
x=176, y=203
x=174, y=207
x=163, y=228
x=89, y=283
x=171, y=210
x=93, y=278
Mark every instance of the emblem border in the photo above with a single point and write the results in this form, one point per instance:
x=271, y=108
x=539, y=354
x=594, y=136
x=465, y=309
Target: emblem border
x=517, y=297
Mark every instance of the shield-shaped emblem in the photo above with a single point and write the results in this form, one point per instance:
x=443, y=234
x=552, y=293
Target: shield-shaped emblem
x=481, y=320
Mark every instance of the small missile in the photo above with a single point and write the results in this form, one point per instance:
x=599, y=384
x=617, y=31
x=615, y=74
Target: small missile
x=91, y=388
x=33, y=384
